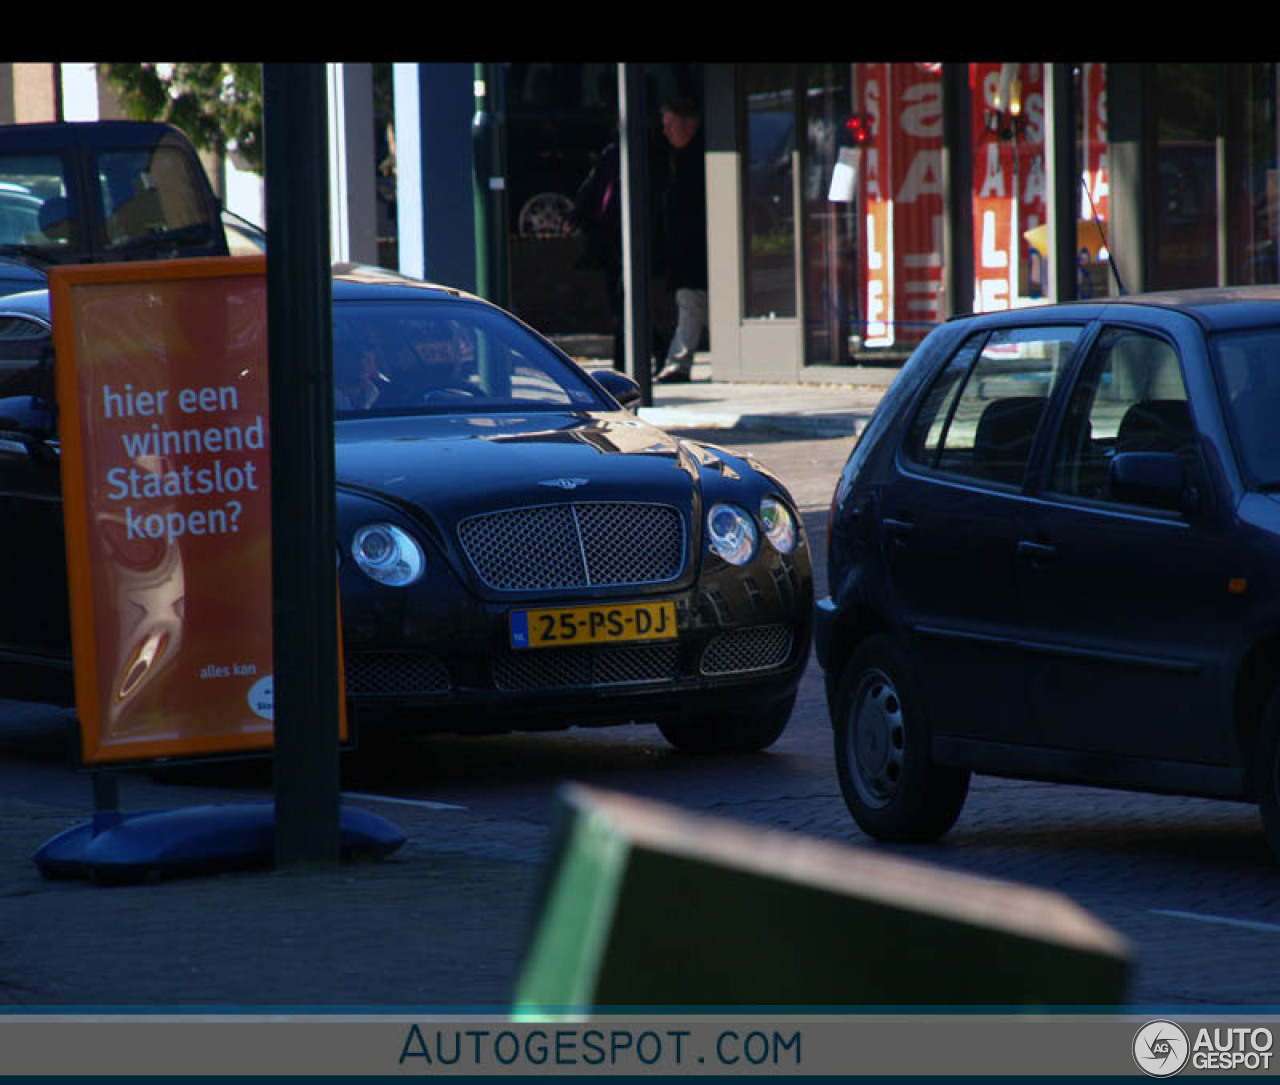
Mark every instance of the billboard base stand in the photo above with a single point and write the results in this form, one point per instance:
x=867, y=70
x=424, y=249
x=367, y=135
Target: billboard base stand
x=116, y=848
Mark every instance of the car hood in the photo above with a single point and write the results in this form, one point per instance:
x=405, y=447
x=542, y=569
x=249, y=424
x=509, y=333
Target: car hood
x=453, y=465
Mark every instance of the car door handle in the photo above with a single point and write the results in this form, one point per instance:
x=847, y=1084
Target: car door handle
x=897, y=530
x=1037, y=553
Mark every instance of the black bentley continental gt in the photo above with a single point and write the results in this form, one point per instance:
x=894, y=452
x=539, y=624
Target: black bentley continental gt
x=518, y=550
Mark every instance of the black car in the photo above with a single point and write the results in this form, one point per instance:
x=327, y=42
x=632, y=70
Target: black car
x=1055, y=555
x=517, y=549
x=86, y=192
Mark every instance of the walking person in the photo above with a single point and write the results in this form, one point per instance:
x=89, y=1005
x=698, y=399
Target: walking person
x=682, y=234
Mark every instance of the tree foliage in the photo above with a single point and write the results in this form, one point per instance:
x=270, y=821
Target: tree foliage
x=218, y=106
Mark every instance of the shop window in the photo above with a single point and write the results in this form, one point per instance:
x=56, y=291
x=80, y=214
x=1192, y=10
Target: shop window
x=902, y=205
x=769, y=116
x=1009, y=211
x=1184, y=220
x=1254, y=202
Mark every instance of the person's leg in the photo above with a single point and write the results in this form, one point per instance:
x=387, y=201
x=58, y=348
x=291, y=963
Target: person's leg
x=691, y=306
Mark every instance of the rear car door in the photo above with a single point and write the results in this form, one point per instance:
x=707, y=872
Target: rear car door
x=1126, y=594
x=952, y=515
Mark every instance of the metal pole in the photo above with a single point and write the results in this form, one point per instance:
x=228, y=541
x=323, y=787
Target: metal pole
x=490, y=186
x=634, y=169
x=1063, y=180
x=957, y=170
x=300, y=340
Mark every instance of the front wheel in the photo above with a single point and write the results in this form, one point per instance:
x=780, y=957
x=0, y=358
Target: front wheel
x=887, y=776
x=744, y=732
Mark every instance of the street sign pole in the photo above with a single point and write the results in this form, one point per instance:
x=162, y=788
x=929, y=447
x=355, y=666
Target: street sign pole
x=300, y=337
x=636, y=258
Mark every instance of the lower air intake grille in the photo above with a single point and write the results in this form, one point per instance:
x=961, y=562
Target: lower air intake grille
x=586, y=667
x=392, y=673
x=741, y=651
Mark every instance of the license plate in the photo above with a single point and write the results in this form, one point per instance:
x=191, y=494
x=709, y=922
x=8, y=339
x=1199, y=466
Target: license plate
x=558, y=627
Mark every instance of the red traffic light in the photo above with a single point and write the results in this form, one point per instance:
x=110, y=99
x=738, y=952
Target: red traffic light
x=860, y=128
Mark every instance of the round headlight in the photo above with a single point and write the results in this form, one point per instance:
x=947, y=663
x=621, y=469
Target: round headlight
x=731, y=533
x=779, y=525
x=388, y=555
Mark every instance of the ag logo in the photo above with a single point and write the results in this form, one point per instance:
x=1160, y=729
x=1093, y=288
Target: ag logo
x=1161, y=1048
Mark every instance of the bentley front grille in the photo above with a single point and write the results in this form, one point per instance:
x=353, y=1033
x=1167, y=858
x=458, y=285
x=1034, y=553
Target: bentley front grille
x=579, y=545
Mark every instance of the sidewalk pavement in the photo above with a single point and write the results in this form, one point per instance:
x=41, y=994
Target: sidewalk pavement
x=441, y=923
x=830, y=401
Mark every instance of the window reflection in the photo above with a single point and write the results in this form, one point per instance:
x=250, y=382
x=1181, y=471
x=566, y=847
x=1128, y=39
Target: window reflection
x=1185, y=220
x=770, y=140
x=829, y=225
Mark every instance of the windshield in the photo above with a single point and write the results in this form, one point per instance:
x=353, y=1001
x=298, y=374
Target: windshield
x=435, y=356
x=1248, y=365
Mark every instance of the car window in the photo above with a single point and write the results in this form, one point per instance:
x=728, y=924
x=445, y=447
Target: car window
x=149, y=194
x=980, y=416
x=447, y=356
x=1248, y=365
x=1130, y=398
x=37, y=214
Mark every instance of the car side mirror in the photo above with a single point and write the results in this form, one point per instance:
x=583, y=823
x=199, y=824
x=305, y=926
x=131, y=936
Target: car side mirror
x=622, y=387
x=1157, y=479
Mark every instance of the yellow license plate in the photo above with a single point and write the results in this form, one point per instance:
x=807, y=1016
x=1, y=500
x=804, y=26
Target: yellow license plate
x=559, y=627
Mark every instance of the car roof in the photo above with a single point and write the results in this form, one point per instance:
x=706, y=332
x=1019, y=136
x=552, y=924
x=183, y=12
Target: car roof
x=1214, y=308
x=374, y=283
x=57, y=135
x=350, y=282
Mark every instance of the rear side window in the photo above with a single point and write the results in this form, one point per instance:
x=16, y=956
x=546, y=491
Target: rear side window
x=37, y=212
x=980, y=417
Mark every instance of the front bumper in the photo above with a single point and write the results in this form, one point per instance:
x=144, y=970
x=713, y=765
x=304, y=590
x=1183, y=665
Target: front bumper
x=445, y=655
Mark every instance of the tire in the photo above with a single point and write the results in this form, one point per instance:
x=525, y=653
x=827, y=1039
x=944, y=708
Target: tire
x=544, y=215
x=1267, y=772
x=889, y=781
x=745, y=732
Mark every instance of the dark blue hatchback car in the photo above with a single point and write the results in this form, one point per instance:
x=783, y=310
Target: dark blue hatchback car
x=1055, y=554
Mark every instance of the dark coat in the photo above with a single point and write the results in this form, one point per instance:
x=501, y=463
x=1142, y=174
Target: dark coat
x=682, y=223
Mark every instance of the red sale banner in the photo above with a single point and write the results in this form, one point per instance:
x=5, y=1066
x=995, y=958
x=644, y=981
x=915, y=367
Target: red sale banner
x=1008, y=182
x=163, y=393
x=903, y=202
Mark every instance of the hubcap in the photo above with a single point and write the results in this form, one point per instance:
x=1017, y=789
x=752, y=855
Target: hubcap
x=877, y=739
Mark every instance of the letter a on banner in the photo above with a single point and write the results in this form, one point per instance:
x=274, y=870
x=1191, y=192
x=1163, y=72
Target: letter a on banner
x=163, y=392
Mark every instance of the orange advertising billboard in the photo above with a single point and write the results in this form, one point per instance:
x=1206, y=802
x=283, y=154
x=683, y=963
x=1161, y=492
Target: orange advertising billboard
x=162, y=384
